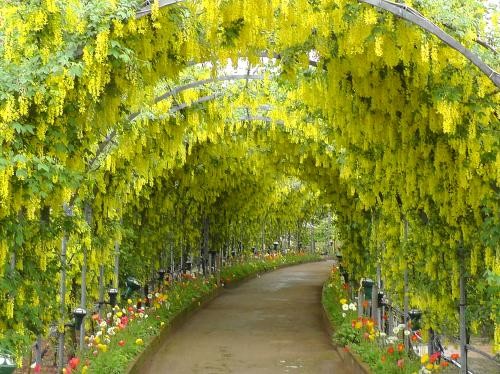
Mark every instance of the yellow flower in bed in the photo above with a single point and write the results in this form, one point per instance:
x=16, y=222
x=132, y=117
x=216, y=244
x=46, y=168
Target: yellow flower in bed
x=343, y=301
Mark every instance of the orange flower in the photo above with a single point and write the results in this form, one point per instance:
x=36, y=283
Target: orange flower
x=383, y=358
x=401, y=347
x=444, y=364
x=390, y=350
x=365, y=303
x=455, y=356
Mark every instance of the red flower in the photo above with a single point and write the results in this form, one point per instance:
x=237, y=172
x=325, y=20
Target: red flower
x=38, y=368
x=433, y=358
x=414, y=338
x=74, y=362
x=455, y=356
x=401, y=347
x=444, y=364
x=121, y=343
x=365, y=303
x=390, y=350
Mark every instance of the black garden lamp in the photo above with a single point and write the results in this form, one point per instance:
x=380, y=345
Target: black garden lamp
x=380, y=299
x=161, y=275
x=132, y=285
x=344, y=273
x=415, y=316
x=275, y=246
x=113, y=295
x=79, y=314
x=368, y=288
x=7, y=362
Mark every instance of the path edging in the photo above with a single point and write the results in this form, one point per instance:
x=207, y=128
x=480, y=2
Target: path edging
x=350, y=359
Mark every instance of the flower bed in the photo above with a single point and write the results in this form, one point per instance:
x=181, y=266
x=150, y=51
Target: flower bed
x=383, y=354
x=125, y=332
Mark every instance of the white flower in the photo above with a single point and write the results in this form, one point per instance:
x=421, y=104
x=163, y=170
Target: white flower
x=383, y=334
x=395, y=330
x=401, y=326
x=141, y=315
x=111, y=331
x=407, y=332
x=343, y=315
x=423, y=371
x=103, y=324
x=108, y=315
x=98, y=333
x=345, y=307
x=352, y=306
x=146, y=316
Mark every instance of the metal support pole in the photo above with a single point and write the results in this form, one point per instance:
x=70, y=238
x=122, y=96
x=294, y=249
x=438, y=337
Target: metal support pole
x=360, y=302
x=117, y=265
x=376, y=311
x=263, y=237
x=62, y=310
x=172, y=268
x=101, y=291
x=463, y=321
x=405, y=289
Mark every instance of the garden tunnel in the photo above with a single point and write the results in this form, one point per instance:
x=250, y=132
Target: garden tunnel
x=124, y=132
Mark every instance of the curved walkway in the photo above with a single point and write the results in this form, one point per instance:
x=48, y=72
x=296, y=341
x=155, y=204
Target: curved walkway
x=271, y=324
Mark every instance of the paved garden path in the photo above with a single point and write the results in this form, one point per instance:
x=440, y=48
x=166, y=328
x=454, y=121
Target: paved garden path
x=271, y=324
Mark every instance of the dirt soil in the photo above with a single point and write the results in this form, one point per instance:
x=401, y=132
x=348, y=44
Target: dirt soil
x=271, y=324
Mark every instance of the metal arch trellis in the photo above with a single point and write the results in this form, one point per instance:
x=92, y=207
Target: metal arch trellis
x=402, y=11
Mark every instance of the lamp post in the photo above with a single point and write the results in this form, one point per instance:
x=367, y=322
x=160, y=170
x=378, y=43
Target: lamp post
x=7, y=363
x=132, y=285
x=368, y=288
x=79, y=314
x=113, y=295
x=415, y=316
